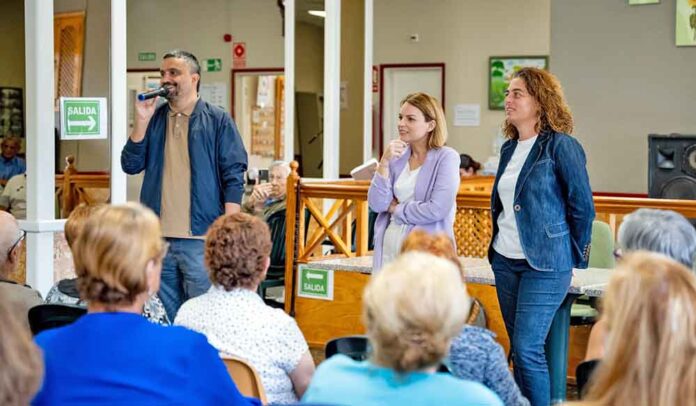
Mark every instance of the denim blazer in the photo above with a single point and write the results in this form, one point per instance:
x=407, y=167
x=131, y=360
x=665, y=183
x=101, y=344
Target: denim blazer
x=553, y=203
x=434, y=201
x=218, y=161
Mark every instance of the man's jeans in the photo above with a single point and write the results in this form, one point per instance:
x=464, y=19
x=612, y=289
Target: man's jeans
x=528, y=301
x=183, y=274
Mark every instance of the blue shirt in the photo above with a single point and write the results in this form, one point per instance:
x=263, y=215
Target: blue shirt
x=342, y=381
x=121, y=358
x=11, y=167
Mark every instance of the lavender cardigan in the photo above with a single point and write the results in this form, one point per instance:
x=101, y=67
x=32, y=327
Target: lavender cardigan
x=434, y=203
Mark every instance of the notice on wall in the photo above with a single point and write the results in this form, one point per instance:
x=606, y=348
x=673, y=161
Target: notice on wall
x=467, y=115
x=315, y=283
x=215, y=93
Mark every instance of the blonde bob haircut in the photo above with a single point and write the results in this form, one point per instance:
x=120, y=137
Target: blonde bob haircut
x=412, y=309
x=112, y=251
x=554, y=113
x=432, y=111
x=650, y=311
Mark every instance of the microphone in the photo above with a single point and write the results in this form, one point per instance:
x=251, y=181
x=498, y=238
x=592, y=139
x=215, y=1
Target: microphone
x=162, y=91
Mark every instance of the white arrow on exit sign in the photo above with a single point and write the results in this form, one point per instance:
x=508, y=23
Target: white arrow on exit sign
x=90, y=123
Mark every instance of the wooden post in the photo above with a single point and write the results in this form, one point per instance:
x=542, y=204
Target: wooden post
x=293, y=197
x=69, y=199
x=361, y=222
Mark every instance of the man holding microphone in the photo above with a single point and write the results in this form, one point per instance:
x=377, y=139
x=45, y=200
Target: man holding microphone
x=194, y=161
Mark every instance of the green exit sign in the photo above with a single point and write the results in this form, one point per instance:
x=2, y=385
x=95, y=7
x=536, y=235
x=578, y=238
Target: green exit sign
x=213, y=65
x=315, y=283
x=83, y=118
x=146, y=56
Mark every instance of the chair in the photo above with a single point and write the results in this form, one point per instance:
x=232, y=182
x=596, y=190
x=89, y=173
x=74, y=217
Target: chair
x=583, y=310
x=583, y=373
x=276, y=271
x=48, y=316
x=356, y=347
x=245, y=377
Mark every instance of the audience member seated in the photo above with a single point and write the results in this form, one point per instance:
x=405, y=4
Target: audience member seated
x=412, y=309
x=474, y=354
x=468, y=166
x=20, y=359
x=23, y=296
x=268, y=198
x=66, y=292
x=14, y=196
x=662, y=231
x=236, y=320
x=649, y=309
x=10, y=163
x=113, y=355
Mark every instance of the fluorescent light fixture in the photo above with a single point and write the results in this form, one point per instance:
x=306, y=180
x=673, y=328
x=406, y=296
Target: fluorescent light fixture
x=317, y=13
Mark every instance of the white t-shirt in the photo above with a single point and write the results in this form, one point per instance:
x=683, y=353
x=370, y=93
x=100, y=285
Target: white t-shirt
x=14, y=196
x=404, y=190
x=239, y=323
x=507, y=241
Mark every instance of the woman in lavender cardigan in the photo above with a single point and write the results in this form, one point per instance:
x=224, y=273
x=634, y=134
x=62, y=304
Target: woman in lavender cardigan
x=417, y=179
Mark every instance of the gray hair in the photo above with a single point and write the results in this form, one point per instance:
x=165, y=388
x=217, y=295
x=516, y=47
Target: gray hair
x=281, y=164
x=662, y=231
x=190, y=59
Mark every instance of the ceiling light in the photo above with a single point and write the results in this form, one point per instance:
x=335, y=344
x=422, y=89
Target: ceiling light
x=317, y=13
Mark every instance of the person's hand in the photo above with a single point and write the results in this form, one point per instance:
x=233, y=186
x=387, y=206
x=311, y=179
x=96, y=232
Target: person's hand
x=145, y=109
x=392, y=206
x=261, y=192
x=394, y=150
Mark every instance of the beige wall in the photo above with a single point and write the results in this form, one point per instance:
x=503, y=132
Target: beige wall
x=352, y=61
x=309, y=58
x=12, y=43
x=462, y=34
x=624, y=78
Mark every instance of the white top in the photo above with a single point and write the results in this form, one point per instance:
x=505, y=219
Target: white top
x=404, y=190
x=14, y=196
x=507, y=241
x=239, y=323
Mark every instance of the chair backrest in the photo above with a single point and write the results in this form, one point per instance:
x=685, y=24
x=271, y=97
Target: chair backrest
x=276, y=223
x=356, y=347
x=602, y=249
x=583, y=373
x=47, y=316
x=245, y=377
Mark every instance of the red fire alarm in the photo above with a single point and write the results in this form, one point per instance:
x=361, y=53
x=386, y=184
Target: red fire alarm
x=228, y=37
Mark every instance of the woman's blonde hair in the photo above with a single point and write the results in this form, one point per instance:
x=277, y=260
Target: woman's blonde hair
x=112, y=251
x=77, y=219
x=554, y=113
x=432, y=110
x=21, y=365
x=438, y=244
x=412, y=309
x=650, y=310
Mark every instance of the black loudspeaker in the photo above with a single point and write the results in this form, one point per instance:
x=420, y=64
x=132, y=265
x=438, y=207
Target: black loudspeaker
x=672, y=166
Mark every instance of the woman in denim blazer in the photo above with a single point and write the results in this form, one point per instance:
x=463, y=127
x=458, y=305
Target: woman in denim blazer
x=542, y=211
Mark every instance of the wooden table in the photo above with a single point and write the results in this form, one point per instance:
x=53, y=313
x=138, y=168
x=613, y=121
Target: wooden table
x=320, y=320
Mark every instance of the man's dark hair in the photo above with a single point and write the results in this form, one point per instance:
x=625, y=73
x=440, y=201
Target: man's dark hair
x=190, y=59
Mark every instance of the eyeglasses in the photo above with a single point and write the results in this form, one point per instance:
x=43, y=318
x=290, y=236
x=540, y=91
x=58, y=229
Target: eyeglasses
x=22, y=234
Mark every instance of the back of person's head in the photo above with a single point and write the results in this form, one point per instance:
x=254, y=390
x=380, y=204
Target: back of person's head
x=112, y=253
x=21, y=365
x=432, y=111
x=412, y=309
x=650, y=311
x=9, y=236
x=237, y=251
x=663, y=231
x=76, y=220
x=467, y=162
x=439, y=245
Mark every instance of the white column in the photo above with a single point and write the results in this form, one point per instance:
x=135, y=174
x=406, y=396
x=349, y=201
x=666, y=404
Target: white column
x=289, y=106
x=367, y=100
x=332, y=87
x=119, y=104
x=40, y=143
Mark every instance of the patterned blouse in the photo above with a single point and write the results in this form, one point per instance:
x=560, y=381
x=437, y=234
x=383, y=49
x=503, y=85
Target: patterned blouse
x=239, y=323
x=65, y=292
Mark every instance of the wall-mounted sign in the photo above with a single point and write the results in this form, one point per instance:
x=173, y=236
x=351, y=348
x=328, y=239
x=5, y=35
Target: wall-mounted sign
x=83, y=118
x=146, y=56
x=239, y=55
x=212, y=65
x=315, y=283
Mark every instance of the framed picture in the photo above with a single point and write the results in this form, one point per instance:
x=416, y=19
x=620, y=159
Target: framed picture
x=500, y=70
x=685, y=23
x=11, y=112
x=635, y=2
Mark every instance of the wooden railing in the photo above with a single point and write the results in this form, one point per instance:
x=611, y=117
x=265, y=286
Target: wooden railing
x=71, y=186
x=346, y=200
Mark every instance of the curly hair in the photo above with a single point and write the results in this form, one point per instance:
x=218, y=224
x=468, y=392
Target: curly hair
x=237, y=248
x=112, y=251
x=554, y=113
x=439, y=245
